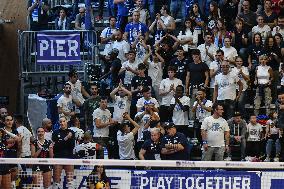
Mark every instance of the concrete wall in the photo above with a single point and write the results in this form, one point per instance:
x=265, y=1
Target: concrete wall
x=16, y=11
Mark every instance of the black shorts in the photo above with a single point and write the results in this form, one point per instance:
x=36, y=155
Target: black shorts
x=42, y=168
x=12, y=154
x=4, y=169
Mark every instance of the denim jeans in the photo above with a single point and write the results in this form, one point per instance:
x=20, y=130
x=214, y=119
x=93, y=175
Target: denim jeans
x=269, y=146
x=218, y=151
x=241, y=104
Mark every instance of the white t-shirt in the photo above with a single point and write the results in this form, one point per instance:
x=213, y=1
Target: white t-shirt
x=262, y=74
x=66, y=104
x=166, y=85
x=276, y=30
x=128, y=74
x=214, y=66
x=141, y=101
x=167, y=20
x=121, y=105
x=263, y=31
x=179, y=116
x=155, y=71
x=227, y=85
x=76, y=91
x=200, y=113
x=126, y=145
x=79, y=133
x=48, y=135
x=86, y=150
x=215, y=129
x=230, y=53
x=254, y=132
x=26, y=140
x=236, y=71
x=186, y=36
x=104, y=116
x=211, y=49
x=123, y=47
x=107, y=32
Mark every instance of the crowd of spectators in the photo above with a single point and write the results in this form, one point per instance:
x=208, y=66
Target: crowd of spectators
x=173, y=70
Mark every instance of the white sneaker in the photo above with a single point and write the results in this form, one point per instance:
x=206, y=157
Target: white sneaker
x=13, y=184
x=276, y=159
x=267, y=159
x=228, y=159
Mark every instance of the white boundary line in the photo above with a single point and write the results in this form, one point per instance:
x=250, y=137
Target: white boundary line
x=151, y=163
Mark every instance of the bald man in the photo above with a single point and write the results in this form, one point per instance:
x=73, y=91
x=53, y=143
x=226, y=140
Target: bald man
x=47, y=125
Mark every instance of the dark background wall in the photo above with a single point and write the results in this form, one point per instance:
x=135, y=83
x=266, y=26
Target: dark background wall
x=16, y=11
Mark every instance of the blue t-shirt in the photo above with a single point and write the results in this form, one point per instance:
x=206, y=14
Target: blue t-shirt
x=123, y=8
x=153, y=150
x=134, y=29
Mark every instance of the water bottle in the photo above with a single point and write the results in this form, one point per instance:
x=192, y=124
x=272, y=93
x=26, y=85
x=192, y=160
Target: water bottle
x=105, y=153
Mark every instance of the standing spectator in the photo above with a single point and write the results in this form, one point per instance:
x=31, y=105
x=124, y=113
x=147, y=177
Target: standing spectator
x=65, y=103
x=243, y=75
x=63, y=145
x=42, y=148
x=26, y=137
x=174, y=144
x=90, y=105
x=248, y=16
x=270, y=17
x=3, y=114
x=225, y=89
x=62, y=22
x=151, y=149
x=230, y=53
x=130, y=68
x=5, y=175
x=198, y=20
x=188, y=37
x=215, y=69
x=121, y=102
x=180, y=105
x=280, y=110
x=135, y=28
x=122, y=46
x=167, y=90
x=220, y=32
x=238, y=130
x=273, y=136
x=254, y=137
x=11, y=139
x=207, y=49
x=254, y=50
x=197, y=75
x=125, y=138
x=202, y=109
x=166, y=20
x=181, y=63
x=178, y=8
x=214, y=15
x=107, y=35
x=261, y=28
x=75, y=126
x=38, y=14
x=47, y=126
x=147, y=97
x=144, y=13
x=229, y=12
x=263, y=81
x=102, y=121
x=214, y=131
x=123, y=7
x=100, y=10
x=279, y=28
x=140, y=47
x=155, y=70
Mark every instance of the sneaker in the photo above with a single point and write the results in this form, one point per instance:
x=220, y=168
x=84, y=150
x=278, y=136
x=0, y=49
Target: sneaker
x=228, y=159
x=276, y=159
x=267, y=159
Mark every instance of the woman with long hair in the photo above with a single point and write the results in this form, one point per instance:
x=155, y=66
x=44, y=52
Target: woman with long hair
x=98, y=178
x=42, y=148
x=220, y=32
x=197, y=20
x=254, y=51
x=188, y=37
x=214, y=15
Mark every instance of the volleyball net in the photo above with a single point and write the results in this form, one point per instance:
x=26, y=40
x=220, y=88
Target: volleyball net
x=156, y=174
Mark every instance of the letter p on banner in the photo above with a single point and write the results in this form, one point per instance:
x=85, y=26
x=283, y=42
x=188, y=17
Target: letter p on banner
x=58, y=48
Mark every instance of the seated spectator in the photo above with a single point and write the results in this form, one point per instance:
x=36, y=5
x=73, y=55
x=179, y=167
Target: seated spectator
x=238, y=130
x=98, y=178
x=174, y=144
x=225, y=89
x=151, y=149
x=261, y=28
x=269, y=16
x=273, y=136
x=107, y=36
x=121, y=102
x=230, y=53
x=155, y=70
x=125, y=138
x=179, y=106
x=62, y=22
x=38, y=14
x=263, y=81
x=254, y=137
x=42, y=148
x=135, y=28
x=215, y=132
x=167, y=90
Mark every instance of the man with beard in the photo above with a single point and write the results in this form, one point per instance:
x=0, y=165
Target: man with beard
x=65, y=103
x=121, y=45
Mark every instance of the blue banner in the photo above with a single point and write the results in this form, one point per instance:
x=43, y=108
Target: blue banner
x=58, y=48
